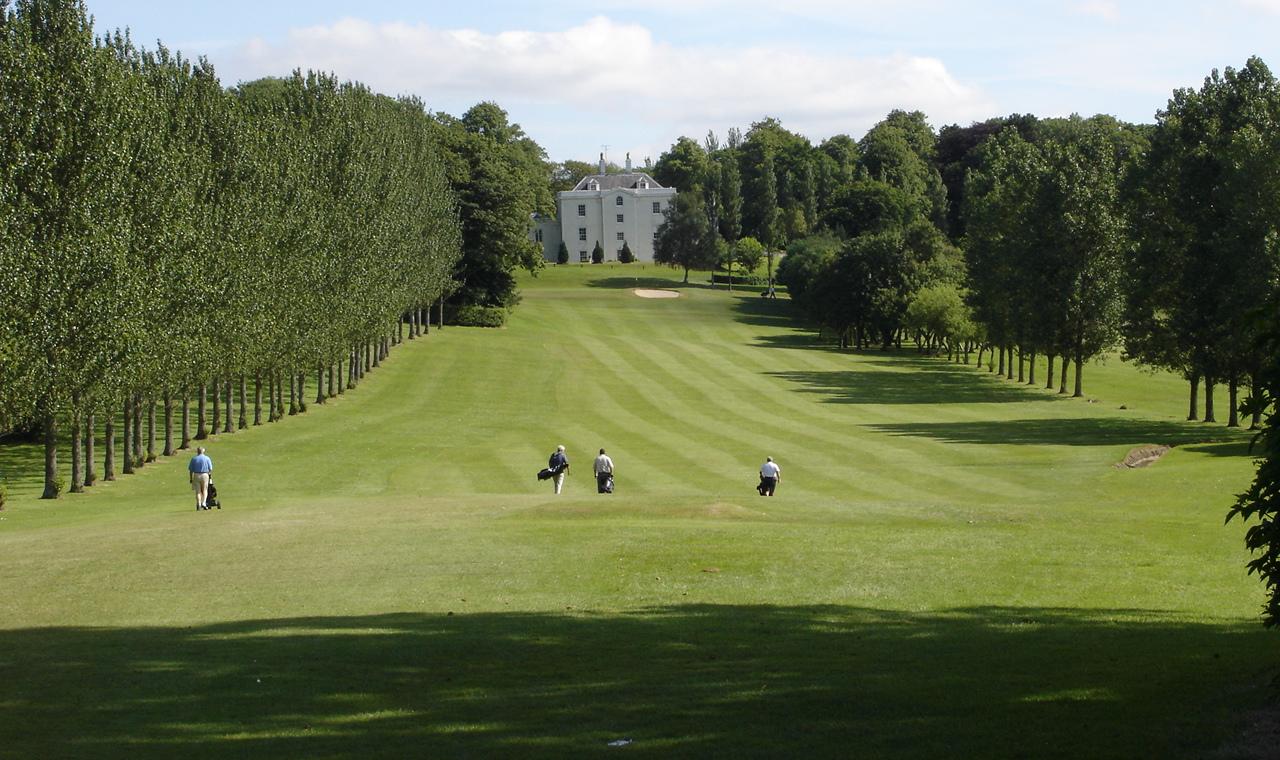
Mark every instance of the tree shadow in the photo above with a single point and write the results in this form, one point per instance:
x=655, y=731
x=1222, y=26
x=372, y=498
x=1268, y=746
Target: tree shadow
x=21, y=467
x=1085, y=431
x=658, y=283
x=751, y=309
x=930, y=383
x=692, y=680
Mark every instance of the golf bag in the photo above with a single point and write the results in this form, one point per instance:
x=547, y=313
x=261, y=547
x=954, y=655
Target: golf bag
x=545, y=474
x=604, y=482
x=211, y=497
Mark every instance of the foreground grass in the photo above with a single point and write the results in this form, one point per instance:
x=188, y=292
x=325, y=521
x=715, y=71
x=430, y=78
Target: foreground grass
x=952, y=566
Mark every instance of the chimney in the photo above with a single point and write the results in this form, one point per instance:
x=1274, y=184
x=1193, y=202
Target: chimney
x=628, y=162
x=602, y=167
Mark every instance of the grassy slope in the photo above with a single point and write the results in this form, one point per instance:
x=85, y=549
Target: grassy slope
x=952, y=564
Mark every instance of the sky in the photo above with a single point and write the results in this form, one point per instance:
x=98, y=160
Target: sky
x=632, y=77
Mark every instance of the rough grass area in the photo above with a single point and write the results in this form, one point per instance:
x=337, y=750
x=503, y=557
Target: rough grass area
x=953, y=565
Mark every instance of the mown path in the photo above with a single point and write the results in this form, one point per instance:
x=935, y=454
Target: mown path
x=952, y=565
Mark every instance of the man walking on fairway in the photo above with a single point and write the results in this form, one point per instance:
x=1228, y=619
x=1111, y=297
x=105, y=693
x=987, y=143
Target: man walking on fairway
x=770, y=476
x=604, y=473
x=559, y=465
x=199, y=471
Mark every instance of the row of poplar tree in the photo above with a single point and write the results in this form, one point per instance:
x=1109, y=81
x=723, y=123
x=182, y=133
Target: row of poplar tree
x=173, y=248
x=1023, y=237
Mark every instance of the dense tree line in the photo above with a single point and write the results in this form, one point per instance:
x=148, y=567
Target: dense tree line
x=1017, y=237
x=171, y=245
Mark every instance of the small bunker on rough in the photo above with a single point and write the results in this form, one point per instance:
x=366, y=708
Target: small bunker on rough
x=656, y=293
x=1143, y=456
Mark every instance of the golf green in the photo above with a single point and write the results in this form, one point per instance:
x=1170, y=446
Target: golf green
x=952, y=566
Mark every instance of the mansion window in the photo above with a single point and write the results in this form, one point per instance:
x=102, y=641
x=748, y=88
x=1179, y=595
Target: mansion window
x=622, y=236
x=582, y=209
x=618, y=202
x=619, y=218
x=582, y=233
x=657, y=207
x=583, y=256
x=537, y=235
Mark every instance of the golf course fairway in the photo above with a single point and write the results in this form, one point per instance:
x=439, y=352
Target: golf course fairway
x=953, y=566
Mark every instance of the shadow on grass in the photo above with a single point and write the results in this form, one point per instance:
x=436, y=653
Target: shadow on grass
x=21, y=466
x=696, y=680
x=929, y=383
x=1087, y=431
x=660, y=283
x=750, y=309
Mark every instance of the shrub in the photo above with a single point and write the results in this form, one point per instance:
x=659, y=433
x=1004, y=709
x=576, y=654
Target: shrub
x=59, y=486
x=597, y=254
x=625, y=256
x=477, y=316
x=562, y=255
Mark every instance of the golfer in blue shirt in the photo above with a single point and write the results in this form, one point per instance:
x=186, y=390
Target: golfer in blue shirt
x=200, y=469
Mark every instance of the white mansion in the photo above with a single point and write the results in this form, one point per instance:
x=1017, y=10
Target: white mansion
x=607, y=208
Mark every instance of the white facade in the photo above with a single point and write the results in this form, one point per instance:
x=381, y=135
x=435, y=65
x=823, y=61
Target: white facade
x=608, y=208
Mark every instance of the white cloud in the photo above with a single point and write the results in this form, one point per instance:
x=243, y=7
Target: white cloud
x=614, y=73
x=1269, y=6
x=1103, y=9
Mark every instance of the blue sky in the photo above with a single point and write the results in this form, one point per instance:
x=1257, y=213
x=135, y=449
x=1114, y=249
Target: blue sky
x=636, y=75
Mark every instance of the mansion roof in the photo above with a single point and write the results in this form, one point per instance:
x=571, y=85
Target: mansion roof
x=629, y=181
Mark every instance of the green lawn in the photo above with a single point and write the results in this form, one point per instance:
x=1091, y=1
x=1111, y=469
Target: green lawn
x=952, y=566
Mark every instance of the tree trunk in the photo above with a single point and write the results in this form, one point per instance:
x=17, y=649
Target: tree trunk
x=1062, y=387
x=271, y=396
x=1031, y=370
x=201, y=396
x=257, y=399
x=126, y=446
x=1022, y=366
x=1193, y=407
x=1000, y=371
x=243, y=422
x=90, y=477
x=1048, y=383
x=279, y=395
x=981, y=350
x=109, y=442
x=1208, y=400
x=138, y=459
x=342, y=388
x=1009, y=366
x=440, y=322
x=320, y=395
x=167, y=400
x=302, y=392
x=332, y=380
x=186, y=418
x=293, y=398
x=50, y=457
x=151, y=428
x=77, y=463
x=1233, y=399
x=1255, y=385
x=1079, y=391
x=227, y=423
x=217, y=406
x=686, y=275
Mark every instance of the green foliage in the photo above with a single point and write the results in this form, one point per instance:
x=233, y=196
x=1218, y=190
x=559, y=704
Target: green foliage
x=4, y=495
x=685, y=238
x=597, y=254
x=625, y=256
x=562, y=253
x=1261, y=502
x=469, y=315
x=748, y=253
x=683, y=167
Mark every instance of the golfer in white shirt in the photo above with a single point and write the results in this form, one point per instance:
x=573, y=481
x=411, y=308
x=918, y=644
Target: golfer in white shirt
x=604, y=473
x=770, y=476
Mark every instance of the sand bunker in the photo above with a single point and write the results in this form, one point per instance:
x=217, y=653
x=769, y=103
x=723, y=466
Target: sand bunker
x=1143, y=456
x=657, y=293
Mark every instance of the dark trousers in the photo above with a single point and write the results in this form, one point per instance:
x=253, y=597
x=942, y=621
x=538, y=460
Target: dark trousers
x=604, y=482
x=767, y=485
